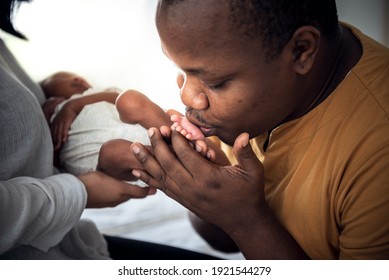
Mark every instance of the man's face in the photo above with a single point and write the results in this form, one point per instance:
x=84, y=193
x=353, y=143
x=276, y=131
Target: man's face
x=228, y=87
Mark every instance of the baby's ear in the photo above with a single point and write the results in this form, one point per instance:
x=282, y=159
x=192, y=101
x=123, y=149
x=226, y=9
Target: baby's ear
x=304, y=46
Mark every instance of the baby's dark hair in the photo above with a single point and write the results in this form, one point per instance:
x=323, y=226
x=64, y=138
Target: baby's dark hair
x=275, y=21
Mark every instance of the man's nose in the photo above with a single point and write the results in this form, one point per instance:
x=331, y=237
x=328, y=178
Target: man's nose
x=193, y=95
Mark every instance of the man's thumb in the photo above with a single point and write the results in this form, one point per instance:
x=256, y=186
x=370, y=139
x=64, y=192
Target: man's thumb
x=245, y=155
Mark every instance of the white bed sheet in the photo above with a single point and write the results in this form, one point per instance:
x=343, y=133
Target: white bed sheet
x=156, y=218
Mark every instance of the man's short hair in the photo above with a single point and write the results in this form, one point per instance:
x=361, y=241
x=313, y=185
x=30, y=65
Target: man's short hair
x=275, y=21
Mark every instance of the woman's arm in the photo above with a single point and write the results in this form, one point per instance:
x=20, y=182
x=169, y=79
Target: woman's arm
x=39, y=212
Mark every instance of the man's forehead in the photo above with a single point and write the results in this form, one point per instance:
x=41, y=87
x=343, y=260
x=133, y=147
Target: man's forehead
x=197, y=23
x=198, y=40
x=194, y=13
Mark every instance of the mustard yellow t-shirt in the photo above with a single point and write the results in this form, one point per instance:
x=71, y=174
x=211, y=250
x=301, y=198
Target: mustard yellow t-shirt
x=327, y=173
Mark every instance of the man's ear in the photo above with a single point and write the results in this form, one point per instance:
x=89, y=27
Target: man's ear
x=304, y=46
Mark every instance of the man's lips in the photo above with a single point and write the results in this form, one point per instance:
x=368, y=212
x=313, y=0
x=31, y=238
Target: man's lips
x=204, y=128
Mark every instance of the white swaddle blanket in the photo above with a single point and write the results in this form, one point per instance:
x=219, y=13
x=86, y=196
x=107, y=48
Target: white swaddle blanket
x=96, y=124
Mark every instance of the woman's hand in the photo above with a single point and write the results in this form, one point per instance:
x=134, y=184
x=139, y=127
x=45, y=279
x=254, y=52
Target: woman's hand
x=105, y=191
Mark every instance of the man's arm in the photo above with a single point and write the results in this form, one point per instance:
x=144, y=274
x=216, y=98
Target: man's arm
x=213, y=235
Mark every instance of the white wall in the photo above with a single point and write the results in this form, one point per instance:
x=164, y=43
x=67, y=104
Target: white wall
x=115, y=43
x=110, y=42
x=370, y=16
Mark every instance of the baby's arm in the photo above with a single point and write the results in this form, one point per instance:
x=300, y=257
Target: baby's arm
x=78, y=104
x=63, y=120
x=49, y=105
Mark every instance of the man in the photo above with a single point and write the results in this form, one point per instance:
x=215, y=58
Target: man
x=311, y=95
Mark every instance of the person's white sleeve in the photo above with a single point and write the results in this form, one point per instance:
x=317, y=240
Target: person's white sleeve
x=39, y=212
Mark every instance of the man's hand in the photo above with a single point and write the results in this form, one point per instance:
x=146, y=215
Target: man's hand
x=105, y=191
x=227, y=196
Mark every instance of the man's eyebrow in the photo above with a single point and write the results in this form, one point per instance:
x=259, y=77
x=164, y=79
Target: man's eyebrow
x=192, y=71
x=196, y=71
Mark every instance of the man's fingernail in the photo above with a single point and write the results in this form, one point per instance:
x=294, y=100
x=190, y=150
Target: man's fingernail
x=150, y=132
x=135, y=149
x=136, y=173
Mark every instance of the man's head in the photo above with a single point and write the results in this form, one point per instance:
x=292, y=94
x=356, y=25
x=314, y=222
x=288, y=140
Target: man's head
x=245, y=62
x=64, y=84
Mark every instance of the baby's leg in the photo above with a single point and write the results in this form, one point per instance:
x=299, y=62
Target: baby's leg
x=186, y=128
x=117, y=160
x=136, y=108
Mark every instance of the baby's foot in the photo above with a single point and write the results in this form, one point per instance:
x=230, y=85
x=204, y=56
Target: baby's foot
x=193, y=134
x=186, y=128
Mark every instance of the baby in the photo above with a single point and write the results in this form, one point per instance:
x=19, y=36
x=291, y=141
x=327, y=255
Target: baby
x=135, y=108
x=81, y=122
x=62, y=86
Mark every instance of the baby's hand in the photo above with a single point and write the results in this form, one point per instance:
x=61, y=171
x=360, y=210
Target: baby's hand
x=193, y=134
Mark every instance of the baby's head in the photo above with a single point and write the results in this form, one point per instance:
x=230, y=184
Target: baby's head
x=64, y=84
